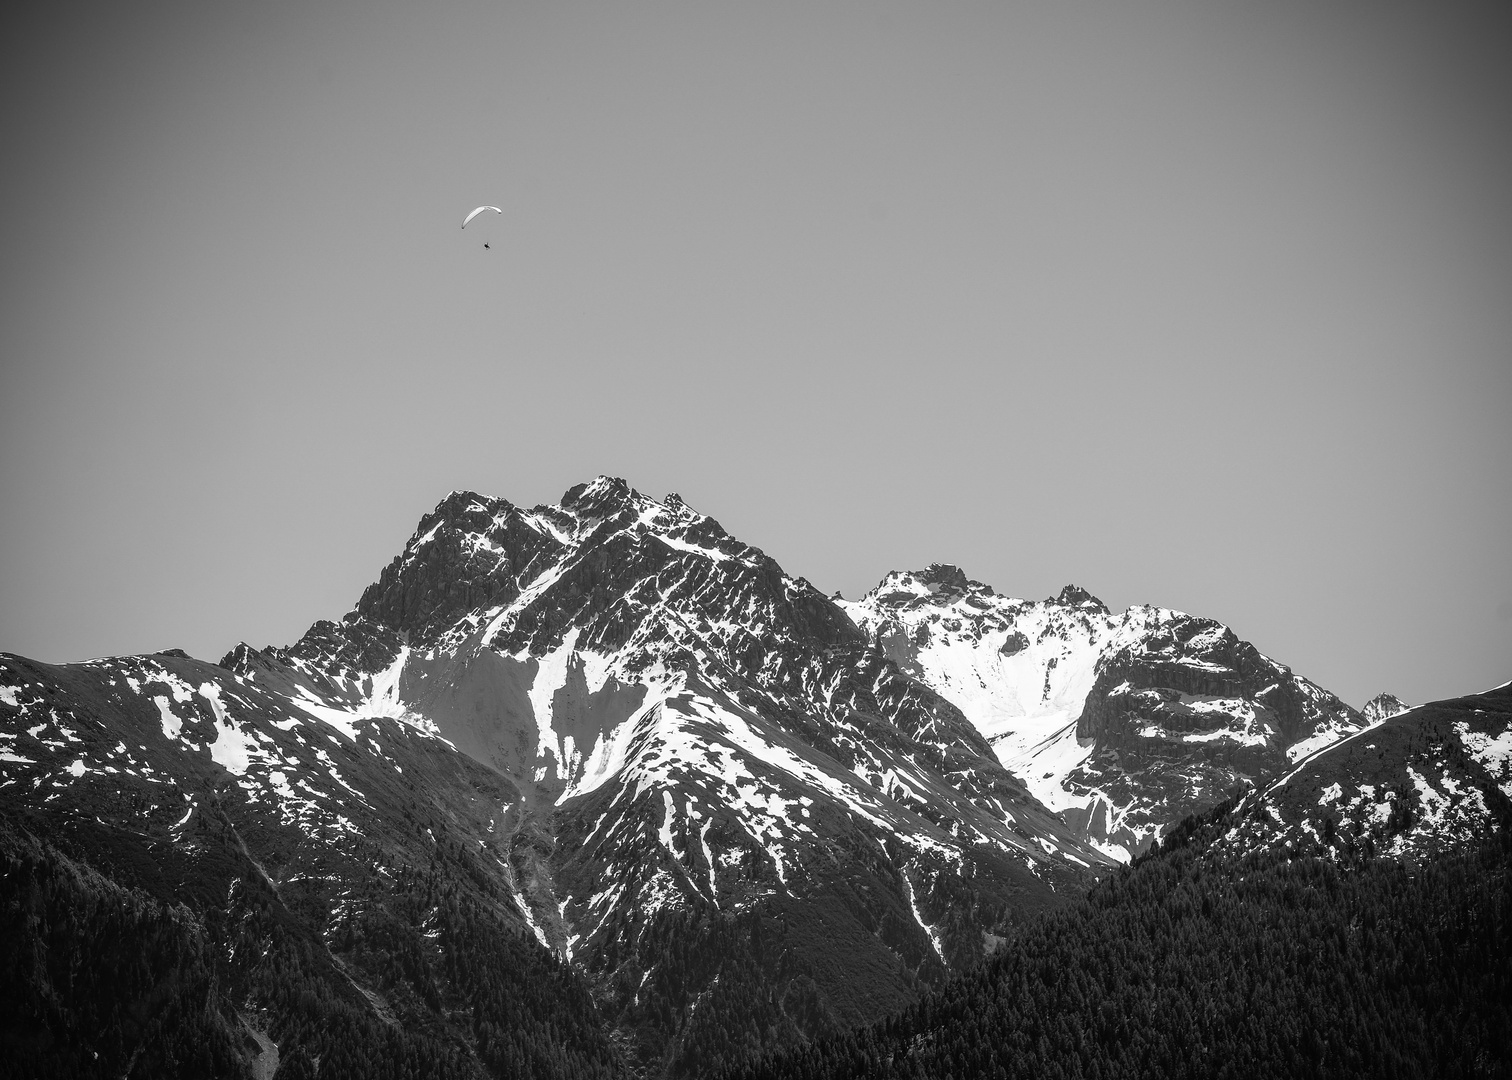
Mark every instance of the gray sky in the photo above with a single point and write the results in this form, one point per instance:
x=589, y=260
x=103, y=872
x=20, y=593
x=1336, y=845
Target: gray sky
x=1204, y=305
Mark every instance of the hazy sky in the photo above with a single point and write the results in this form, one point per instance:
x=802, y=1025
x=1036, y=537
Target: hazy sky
x=1206, y=305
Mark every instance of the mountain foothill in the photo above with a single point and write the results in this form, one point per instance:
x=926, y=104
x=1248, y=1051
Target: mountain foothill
x=596, y=789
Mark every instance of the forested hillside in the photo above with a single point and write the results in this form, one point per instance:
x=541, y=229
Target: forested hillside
x=1196, y=962
x=104, y=979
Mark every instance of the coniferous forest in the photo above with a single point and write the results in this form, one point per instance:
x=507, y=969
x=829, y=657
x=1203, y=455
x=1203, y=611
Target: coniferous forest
x=1191, y=963
x=101, y=979
x=1195, y=963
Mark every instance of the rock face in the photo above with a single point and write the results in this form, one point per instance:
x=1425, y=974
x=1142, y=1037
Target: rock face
x=1124, y=723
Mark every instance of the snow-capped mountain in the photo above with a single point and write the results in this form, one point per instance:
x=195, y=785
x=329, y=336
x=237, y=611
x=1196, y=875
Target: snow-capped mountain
x=704, y=732
x=658, y=735
x=1124, y=723
x=1422, y=781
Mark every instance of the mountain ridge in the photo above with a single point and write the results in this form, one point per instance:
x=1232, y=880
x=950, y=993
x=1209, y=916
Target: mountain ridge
x=743, y=813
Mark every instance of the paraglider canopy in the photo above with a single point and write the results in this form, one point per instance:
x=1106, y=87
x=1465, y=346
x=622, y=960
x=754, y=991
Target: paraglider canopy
x=478, y=211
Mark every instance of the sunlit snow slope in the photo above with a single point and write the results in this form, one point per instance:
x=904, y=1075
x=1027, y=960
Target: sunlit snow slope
x=1123, y=722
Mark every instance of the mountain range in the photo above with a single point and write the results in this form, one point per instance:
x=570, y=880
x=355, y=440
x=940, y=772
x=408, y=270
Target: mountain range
x=604, y=766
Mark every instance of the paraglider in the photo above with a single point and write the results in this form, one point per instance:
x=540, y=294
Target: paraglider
x=475, y=213
x=478, y=211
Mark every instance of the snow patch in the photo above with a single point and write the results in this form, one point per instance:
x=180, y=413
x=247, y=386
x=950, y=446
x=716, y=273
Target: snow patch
x=1492, y=752
x=930, y=931
x=551, y=676
x=172, y=725
x=231, y=748
x=693, y=549
x=665, y=833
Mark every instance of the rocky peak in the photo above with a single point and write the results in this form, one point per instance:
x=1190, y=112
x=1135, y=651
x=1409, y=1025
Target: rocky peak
x=946, y=577
x=936, y=582
x=1383, y=707
x=466, y=507
x=470, y=550
x=1076, y=596
x=603, y=497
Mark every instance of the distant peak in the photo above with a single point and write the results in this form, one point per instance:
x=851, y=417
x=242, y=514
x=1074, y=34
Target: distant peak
x=945, y=576
x=936, y=579
x=1076, y=596
x=600, y=494
x=461, y=512
x=458, y=504
x=606, y=485
x=238, y=657
x=1383, y=707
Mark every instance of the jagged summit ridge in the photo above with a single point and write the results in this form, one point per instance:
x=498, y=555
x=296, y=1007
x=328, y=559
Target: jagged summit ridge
x=1076, y=596
x=476, y=553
